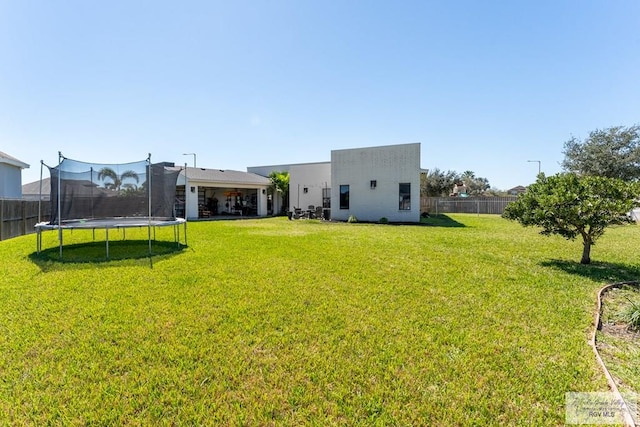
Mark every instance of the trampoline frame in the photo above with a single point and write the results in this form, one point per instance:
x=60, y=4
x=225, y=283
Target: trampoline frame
x=118, y=223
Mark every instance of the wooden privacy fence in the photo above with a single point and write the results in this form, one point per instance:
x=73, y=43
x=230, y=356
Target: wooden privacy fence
x=18, y=217
x=476, y=205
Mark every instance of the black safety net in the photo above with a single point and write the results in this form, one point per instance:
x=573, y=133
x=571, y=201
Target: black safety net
x=82, y=190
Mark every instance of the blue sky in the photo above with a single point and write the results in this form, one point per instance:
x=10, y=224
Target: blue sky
x=483, y=85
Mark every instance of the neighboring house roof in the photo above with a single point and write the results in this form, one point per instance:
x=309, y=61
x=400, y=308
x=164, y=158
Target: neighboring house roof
x=224, y=176
x=7, y=159
x=82, y=188
x=33, y=188
x=517, y=189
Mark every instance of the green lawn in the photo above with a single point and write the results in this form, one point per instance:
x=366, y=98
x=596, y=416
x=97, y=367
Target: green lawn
x=473, y=320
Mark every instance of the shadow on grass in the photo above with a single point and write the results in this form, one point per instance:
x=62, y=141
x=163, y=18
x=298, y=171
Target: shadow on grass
x=597, y=271
x=440, y=221
x=96, y=253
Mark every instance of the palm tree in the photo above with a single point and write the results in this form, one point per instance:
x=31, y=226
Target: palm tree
x=280, y=184
x=117, y=181
x=467, y=176
x=475, y=185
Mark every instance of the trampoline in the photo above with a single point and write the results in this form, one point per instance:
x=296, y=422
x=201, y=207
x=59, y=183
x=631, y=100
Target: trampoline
x=94, y=196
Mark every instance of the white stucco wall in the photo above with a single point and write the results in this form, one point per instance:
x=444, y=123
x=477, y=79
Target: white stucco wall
x=389, y=166
x=266, y=170
x=312, y=176
x=191, y=200
x=10, y=181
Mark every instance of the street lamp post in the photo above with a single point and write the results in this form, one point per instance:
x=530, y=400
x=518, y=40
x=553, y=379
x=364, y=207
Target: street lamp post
x=194, y=157
x=536, y=161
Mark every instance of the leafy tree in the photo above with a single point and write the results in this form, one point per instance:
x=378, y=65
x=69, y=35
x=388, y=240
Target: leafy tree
x=437, y=183
x=117, y=181
x=475, y=185
x=280, y=184
x=612, y=152
x=495, y=192
x=570, y=206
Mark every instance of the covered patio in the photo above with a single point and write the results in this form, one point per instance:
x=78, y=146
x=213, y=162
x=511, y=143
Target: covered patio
x=210, y=193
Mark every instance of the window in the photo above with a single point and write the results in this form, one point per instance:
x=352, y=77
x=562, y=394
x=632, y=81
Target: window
x=405, y=196
x=373, y=184
x=305, y=190
x=344, y=197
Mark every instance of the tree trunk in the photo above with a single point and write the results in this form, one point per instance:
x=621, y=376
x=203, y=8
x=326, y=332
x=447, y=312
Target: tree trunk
x=586, y=251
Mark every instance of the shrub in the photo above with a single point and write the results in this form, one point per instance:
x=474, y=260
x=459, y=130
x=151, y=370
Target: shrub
x=352, y=219
x=631, y=314
x=384, y=220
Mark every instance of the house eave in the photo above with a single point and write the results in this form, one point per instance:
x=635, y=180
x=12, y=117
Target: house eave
x=14, y=162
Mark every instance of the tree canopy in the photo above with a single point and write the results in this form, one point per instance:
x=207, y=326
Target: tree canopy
x=475, y=185
x=613, y=152
x=570, y=206
x=437, y=183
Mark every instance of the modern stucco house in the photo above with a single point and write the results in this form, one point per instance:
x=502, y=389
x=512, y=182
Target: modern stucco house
x=375, y=182
x=11, y=176
x=369, y=183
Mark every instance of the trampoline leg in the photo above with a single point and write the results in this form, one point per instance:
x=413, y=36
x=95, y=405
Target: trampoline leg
x=185, y=234
x=107, y=242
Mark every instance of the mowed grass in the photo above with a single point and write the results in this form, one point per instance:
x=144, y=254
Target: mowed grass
x=277, y=322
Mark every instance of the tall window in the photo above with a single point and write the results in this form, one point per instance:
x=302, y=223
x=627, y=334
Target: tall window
x=405, y=196
x=344, y=197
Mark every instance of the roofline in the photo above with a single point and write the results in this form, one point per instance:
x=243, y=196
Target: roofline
x=251, y=183
x=311, y=163
x=13, y=162
x=376, y=146
x=191, y=168
x=288, y=165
